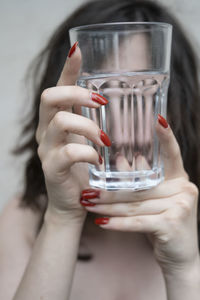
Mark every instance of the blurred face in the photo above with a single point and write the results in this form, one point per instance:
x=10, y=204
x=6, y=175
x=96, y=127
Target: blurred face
x=131, y=109
x=134, y=101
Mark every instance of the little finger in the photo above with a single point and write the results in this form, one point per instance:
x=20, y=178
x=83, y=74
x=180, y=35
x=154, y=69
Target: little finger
x=144, y=224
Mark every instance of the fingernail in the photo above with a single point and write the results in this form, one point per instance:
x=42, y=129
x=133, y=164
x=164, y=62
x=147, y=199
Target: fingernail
x=98, y=98
x=72, y=50
x=162, y=121
x=86, y=203
x=100, y=159
x=101, y=221
x=105, y=139
x=90, y=194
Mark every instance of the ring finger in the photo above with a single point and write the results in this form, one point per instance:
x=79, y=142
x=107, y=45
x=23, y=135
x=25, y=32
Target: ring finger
x=150, y=207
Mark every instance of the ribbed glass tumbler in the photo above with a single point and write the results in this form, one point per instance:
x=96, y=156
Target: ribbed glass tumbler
x=128, y=64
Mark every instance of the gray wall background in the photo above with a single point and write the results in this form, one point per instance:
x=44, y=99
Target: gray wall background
x=25, y=28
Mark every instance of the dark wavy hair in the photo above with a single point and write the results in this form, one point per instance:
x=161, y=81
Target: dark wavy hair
x=183, y=96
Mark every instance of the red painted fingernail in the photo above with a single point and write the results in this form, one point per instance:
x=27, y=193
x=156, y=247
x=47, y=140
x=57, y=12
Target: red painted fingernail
x=162, y=121
x=90, y=194
x=72, y=50
x=101, y=221
x=100, y=159
x=86, y=203
x=105, y=139
x=98, y=98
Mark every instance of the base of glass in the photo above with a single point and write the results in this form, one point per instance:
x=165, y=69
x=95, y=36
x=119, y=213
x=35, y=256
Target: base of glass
x=136, y=181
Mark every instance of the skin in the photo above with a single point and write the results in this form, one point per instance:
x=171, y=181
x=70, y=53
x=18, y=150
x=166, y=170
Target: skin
x=167, y=213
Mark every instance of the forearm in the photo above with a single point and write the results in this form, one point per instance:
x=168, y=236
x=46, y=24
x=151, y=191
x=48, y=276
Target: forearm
x=51, y=267
x=183, y=285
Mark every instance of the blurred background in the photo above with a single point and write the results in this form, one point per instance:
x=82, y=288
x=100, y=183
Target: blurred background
x=25, y=29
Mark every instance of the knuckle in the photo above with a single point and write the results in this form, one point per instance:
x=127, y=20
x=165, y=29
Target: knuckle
x=179, y=214
x=185, y=207
x=137, y=222
x=132, y=208
x=38, y=135
x=171, y=219
x=45, y=96
x=192, y=191
x=40, y=152
x=164, y=238
x=59, y=118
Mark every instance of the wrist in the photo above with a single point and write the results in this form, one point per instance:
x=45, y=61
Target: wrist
x=187, y=273
x=54, y=216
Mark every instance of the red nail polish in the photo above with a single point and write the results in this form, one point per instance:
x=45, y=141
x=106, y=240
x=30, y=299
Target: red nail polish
x=162, y=121
x=98, y=98
x=72, y=50
x=86, y=203
x=90, y=194
x=105, y=139
x=101, y=221
x=100, y=159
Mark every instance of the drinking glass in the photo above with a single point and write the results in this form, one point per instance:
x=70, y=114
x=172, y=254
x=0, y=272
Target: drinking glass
x=128, y=64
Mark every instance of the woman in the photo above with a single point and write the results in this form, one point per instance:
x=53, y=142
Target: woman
x=148, y=247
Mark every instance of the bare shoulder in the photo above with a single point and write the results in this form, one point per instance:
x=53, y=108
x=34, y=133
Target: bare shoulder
x=23, y=221
x=18, y=233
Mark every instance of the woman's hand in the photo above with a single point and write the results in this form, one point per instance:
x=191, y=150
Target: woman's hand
x=61, y=138
x=167, y=213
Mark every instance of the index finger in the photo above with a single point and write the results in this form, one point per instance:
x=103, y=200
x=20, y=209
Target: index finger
x=71, y=69
x=164, y=190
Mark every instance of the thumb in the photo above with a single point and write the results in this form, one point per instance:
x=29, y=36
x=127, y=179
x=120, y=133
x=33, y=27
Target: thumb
x=170, y=150
x=71, y=69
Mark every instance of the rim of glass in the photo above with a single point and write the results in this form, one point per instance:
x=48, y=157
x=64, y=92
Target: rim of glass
x=115, y=24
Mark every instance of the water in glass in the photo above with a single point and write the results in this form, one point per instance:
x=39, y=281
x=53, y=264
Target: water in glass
x=134, y=160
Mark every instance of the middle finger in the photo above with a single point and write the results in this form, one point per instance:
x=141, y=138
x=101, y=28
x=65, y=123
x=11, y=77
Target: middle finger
x=149, y=207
